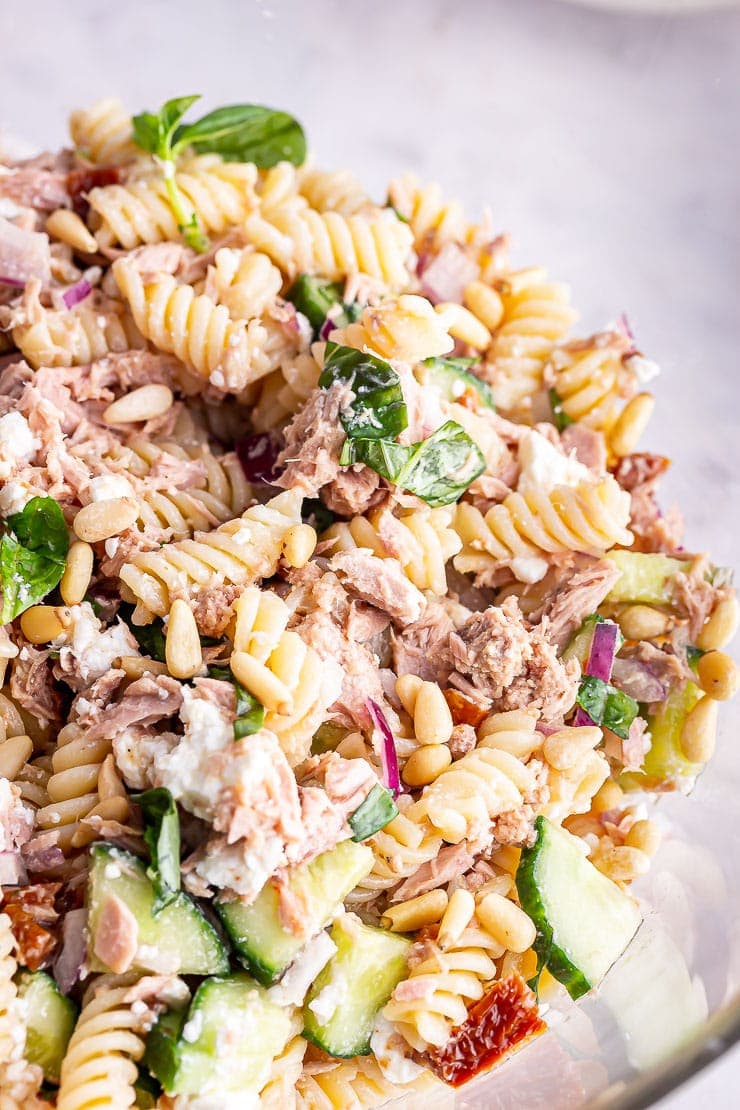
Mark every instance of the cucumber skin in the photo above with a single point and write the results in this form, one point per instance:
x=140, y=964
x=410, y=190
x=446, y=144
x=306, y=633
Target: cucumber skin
x=548, y=953
x=440, y=374
x=162, y=1056
x=66, y=1014
x=665, y=763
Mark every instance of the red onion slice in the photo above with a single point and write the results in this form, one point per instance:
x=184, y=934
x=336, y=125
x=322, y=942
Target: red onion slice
x=600, y=660
x=14, y=283
x=258, y=455
x=388, y=754
x=76, y=293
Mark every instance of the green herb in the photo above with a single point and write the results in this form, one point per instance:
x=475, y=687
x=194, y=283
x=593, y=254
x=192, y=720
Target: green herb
x=559, y=415
x=438, y=470
x=606, y=705
x=250, y=714
x=162, y=838
x=319, y=300
x=378, y=410
x=693, y=655
x=240, y=132
x=453, y=379
x=399, y=215
x=33, y=554
x=315, y=513
x=373, y=814
x=151, y=639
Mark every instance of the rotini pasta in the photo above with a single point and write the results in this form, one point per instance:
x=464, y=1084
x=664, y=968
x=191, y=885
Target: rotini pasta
x=591, y=380
x=407, y=328
x=428, y=213
x=355, y=1084
x=333, y=191
x=103, y=132
x=64, y=338
x=283, y=392
x=399, y=850
x=245, y=281
x=280, y=1091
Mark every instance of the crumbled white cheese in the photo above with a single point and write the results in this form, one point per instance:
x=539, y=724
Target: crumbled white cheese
x=112, y=871
x=14, y=496
x=193, y=1027
x=390, y=1052
x=186, y=770
x=325, y=1003
x=16, y=821
x=245, y=870
x=312, y=959
x=18, y=444
x=543, y=467
x=644, y=369
x=136, y=752
x=107, y=486
x=89, y=650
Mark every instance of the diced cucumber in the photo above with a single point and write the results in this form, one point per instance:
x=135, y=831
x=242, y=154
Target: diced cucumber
x=50, y=1019
x=373, y=814
x=665, y=764
x=579, y=645
x=315, y=298
x=359, y=979
x=179, y=939
x=257, y=935
x=225, y=1041
x=584, y=921
x=452, y=377
x=645, y=578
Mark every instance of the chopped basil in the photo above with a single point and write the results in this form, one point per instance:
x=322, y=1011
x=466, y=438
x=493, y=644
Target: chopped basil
x=373, y=814
x=693, y=655
x=438, y=469
x=162, y=838
x=559, y=415
x=315, y=513
x=33, y=554
x=606, y=705
x=250, y=714
x=378, y=410
x=319, y=300
x=150, y=638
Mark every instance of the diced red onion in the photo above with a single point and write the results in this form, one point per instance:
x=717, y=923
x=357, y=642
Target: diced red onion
x=624, y=325
x=600, y=660
x=388, y=754
x=71, y=959
x=327, y=327
x=258, y=455
x=447, y=274
x=76, y=293
x=14, y=283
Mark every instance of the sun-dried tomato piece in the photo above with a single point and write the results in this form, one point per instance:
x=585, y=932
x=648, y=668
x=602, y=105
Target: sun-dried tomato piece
x=33, y=919
x=503, y=1020
x=80, y=182
x=463, y=710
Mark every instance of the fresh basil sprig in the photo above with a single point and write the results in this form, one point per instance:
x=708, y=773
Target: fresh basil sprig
x=606, y=705
x=239, y=132
x=438, y=469
x=559, y=415
x=33, y=554
x=162, y=838
x=378, y=410
x=250, y=713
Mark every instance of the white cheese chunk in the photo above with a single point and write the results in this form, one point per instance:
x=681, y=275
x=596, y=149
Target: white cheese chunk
x=543, y=467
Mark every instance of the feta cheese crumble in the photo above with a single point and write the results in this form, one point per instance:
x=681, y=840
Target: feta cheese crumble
x=543, y=467
x=18, y=444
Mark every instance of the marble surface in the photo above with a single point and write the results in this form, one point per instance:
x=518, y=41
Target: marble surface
x=606, y=141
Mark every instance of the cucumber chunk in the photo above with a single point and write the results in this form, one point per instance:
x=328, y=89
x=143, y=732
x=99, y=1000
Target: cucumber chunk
x=360, y=979
x=584, y=921
x=50, y=1019
x=225, y=1040
x=645, y=578
x=665, y=764
x=179, y=939
x=261, y=942
x=452, y=377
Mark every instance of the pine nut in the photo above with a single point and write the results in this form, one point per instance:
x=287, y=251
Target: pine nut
x=517, y=281
x=14, y=752
x=77, y=573
x=409, y=916
x=609, y=796
x=67, y=227
x=432, y=717
x=644, y=835
x=100, y=520
x=143, y=403
x=699, y=731
x=567, y=747
x=717, y=675
x=643, y=622
x=620, y=863
x=631, y=423
x=299, y=545
x=456, y=918
x=721, y=626
x=426, y=764
x=506, y=922
x=42, y=623
x=485, y=303
x=110, y=784
x=463, y=325
x=407, y=688
x=135, y=666
x=182, y=643
x=261, y=682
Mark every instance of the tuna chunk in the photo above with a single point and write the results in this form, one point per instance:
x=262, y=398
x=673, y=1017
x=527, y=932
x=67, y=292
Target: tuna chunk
x=578, y=597
x=32, y=685
x=116, y=935
x=313, y=441
x=146, y=701
x=423, y=648
x=648, y=674
x=381, y=582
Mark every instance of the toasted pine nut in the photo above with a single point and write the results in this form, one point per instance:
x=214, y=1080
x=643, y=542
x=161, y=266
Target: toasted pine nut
x=621, y=863
x=426, y=764
x=609, y=796
x=143, y=403
x=567, y=747
x=42, y=623
x=182, y=644
x=717, y=675
x=518, y=280
x=102, y=519
x=506, y=922
x=77, y=573
x=134, y=666
x=67, y=227
x=643, y=622
x=406, y=917
x=485, y=303
x=631, y=423
x=110, y=784
x=463, y=325
x=699, y=731
x=14, y=752
x=721, y=626
x=299, y=545
x=644, y=835
x=261, y=682
x=407, y=688
x=456, y=918
x=432, y=717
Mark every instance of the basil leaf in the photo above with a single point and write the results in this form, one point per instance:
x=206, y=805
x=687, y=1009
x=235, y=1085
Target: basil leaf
x=315, y=513
x=373, y=814
x=559, y=415
x=438, y=470
x=250, y=713
x=153, y=131
x=32, y=555
x=316, y=299
x=246, y=133
x=606, y=705
x=162, y=838
x=378, y=410
x=150, y=638
x=693, y=655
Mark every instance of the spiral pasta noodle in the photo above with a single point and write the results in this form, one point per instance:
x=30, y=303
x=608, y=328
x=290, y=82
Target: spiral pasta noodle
x=399, y=850
x=76, y=337
x=284, y=391
x=103, y=132
x=245, y=281
x=428, y=213
x=352, y=1084
x=235, y=554
x=591, y=380
x=279, y=1093
x=333, y=191
x=407, y=328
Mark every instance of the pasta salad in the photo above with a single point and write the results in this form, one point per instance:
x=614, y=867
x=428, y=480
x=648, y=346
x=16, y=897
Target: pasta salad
x=343, y=637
